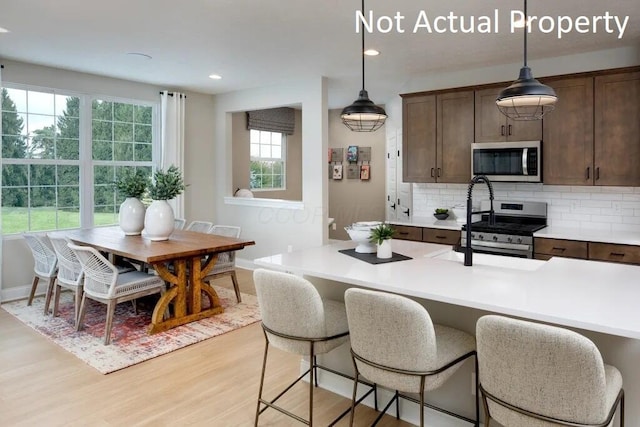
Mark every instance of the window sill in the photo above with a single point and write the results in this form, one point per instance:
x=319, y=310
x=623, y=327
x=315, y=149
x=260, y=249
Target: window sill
x=264, y=203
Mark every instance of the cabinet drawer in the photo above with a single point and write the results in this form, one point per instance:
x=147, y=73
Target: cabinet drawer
x=614, y=253
x=563, y=248
x=406, y=232
x=437, y=235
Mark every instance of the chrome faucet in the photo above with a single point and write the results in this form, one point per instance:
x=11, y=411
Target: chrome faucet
x=468, y=252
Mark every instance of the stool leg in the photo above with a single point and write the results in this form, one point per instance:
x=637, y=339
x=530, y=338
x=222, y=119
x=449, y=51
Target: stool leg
x=312, y=378
x=264, y=366
x=622, y=410
x=353, y=398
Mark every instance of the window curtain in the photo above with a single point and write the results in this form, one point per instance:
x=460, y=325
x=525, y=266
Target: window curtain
x=172, y=106
x=272, y=120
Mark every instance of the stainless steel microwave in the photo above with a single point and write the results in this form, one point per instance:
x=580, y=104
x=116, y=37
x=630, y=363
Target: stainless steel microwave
x=512, y=161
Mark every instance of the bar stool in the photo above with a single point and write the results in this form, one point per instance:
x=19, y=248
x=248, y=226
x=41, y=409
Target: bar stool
x=394, y=344
x=297, y=320
x=540, y=375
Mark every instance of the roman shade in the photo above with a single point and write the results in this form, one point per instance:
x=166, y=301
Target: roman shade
x=272, y=120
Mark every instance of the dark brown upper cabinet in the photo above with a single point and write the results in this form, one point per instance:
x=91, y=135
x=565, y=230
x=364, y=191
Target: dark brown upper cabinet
x=493, y=126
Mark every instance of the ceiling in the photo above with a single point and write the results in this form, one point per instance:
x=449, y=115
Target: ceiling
x=256, y=43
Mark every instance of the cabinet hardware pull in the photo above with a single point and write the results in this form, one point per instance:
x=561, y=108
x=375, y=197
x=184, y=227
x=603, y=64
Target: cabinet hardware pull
x=406, y=212
x=432, y=173
x=559, y=249
x=510, y=130
x=441, y=237
x=588, y=171
x=393, y=206
x=439, y=172
x=502, y=131
x=404, y=233
x=617, y=254
x=597, y=173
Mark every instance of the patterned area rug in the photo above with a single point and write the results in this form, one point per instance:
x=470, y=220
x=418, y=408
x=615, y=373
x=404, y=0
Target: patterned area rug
x=130, y=342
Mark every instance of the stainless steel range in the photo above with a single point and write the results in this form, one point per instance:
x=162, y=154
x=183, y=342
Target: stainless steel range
x=512, y=233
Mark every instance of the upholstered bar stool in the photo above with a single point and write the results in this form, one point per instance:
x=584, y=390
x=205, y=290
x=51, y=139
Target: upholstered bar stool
x=540, y=375
x=394, y=344
x=297, y=320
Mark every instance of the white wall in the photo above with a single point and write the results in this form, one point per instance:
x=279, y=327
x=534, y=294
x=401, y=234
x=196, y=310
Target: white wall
x=276, y=228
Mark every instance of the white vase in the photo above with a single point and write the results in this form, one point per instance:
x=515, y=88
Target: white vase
x=131, y=216
x=159, y=221
x=384, y=249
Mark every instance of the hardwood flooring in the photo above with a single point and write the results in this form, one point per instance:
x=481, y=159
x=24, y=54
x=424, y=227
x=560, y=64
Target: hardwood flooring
x=212, y=383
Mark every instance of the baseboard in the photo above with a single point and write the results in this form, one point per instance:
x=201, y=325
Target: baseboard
x=408, y=410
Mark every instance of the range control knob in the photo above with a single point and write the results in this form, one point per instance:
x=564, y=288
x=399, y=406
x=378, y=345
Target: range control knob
x=481, y=237
x=509, y=239
x=495, y=238
x=473, y=236
x=519, y=240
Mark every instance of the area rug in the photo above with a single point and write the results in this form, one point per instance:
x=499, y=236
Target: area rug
x=130, y=342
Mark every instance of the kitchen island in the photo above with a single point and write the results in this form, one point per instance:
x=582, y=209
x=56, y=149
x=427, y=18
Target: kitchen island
x=600, y=300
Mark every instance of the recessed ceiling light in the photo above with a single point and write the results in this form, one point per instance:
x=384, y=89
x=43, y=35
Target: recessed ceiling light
x=3, y=30
x=371, y=52
x=140, y=55
x=215, y=76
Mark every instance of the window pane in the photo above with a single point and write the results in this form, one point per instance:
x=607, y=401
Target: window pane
x=101, y=110
x=143, y=115
x=69, y=127
x=40, y=102
x=14, y=147
x=265, y=151
x=68, y=175
x=265, y=137
x=18, y=100
x=276, y=138
x=68, y=218
x=14, y=220
x=123, y=132
x=102, y=150
x=36, y=122
x=68, y=106
x=143, y=153
x=123, y=151
x=104, y=195
x=68, y=197
x=103, y=175
x=42, y=196
x=101, y=131
x=143, y=133
x=122, y=112
x=254, y=136
x=276, y=152
x=42, y=145
x=43, y=175
x=104, y=216
x=14, y=176
x=255, y=150
x=68, y=149
x=14, y=198
x=12, y=123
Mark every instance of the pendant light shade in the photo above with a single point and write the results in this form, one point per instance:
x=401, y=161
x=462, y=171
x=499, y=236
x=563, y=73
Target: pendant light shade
x=526, y=98
x=363, y=115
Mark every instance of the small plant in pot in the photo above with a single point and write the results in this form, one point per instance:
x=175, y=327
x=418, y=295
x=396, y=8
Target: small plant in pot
x=159, y=220
x=132, y=185
x=381, y=236
x=441, y=213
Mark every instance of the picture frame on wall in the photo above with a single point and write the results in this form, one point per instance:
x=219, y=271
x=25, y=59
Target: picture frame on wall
x=337, y=172
x=364, y=172
x=353, y=171
x=352, y=153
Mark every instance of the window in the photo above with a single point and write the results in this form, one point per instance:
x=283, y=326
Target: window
x=267, y=169
x=49, y=166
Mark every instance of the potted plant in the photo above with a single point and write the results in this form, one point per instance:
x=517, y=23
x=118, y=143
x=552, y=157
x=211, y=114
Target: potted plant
x=381, y=236
x=132, y=185
x=441, y=213
x=159, y=219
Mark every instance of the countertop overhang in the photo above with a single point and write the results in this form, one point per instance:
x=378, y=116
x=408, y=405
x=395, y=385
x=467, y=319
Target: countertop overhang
x=590, y=295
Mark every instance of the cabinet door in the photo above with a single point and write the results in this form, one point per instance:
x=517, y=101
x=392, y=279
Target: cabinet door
x=567, y=148
x=407, y=232
x=454, y=136
x=617, y=129
x=560, y=247
x=492, y=125
x=444, y=237
x=419, y=139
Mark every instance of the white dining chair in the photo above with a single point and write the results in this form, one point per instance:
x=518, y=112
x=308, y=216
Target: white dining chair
x=199, y=226
x=535, y=375
x=179, y=223
x=226, y=263
x=104, y=284
x=45, y=265
x=70, y=274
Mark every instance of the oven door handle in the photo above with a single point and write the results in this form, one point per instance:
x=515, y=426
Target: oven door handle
x=525, y=158
x=501, y=246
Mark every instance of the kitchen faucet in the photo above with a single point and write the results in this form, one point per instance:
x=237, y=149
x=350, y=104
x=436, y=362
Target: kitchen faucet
x=468, y=252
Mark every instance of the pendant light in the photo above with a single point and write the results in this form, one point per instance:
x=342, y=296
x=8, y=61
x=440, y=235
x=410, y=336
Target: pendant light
x=526, y=98
x=363, y=115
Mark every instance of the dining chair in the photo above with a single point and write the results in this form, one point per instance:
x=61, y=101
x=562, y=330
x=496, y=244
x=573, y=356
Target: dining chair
x=45, y=265
x=104, y=284
x=297, y=320
x=179, y=223
x=540, y=375
x=200, y=226
x=70, y=274
x=395, y=344
x=226, y=263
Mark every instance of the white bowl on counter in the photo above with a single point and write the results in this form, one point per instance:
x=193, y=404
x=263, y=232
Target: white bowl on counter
x=360, y=232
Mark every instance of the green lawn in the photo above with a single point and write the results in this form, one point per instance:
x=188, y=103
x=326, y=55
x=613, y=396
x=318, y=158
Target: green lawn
x=16, y=220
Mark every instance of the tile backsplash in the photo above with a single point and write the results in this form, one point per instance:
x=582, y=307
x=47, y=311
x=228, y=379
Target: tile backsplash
x=595, y=208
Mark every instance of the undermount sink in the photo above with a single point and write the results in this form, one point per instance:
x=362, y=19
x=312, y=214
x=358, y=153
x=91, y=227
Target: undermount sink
x=500, y=261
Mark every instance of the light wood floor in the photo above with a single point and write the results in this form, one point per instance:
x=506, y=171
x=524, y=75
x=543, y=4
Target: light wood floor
x=212, y=383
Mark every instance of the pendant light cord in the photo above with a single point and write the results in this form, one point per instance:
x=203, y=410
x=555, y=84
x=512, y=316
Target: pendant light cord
x=525, y=28
x=362, y=52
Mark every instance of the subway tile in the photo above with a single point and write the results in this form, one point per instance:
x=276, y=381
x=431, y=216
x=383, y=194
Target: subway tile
x=607, y=218
x=595, y=203
x=606, y=196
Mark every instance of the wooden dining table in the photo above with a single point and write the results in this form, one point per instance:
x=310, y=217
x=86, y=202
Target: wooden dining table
x=183, y=261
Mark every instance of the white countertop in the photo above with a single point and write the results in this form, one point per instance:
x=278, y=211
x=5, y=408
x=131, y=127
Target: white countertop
x=589, y=235
x=590, y=295
x=447, y=224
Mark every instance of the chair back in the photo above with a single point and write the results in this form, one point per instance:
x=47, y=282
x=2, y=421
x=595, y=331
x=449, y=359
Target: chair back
x=178, y=223
x=543, y=369
x=45, y=260
x=226, y=260
x=69, y=267
x=100, y=275
x=392, y=331
x=200, y=226
x=289, y=304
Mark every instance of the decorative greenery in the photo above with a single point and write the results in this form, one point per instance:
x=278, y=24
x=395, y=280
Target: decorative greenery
x=132, y=184
x=442, y=210
x=381, y=233
x=166, y=184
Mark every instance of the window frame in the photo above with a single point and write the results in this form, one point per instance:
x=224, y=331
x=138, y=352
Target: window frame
x=85, y=162
x=282, y=159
